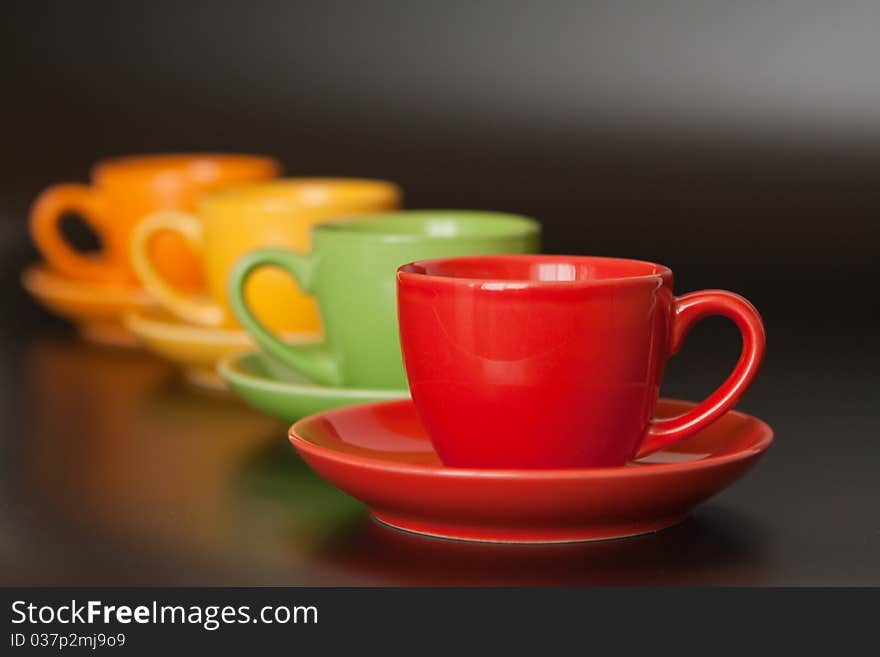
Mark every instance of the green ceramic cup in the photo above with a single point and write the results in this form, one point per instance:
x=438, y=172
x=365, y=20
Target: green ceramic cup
x=351, y=270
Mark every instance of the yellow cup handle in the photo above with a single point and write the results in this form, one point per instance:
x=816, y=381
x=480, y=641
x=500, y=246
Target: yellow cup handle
x=189, y=307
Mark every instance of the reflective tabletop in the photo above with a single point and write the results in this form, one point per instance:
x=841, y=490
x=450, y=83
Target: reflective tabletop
x=118, y=472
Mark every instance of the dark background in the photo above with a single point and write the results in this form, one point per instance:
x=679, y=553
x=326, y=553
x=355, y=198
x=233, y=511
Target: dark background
x=738, y=143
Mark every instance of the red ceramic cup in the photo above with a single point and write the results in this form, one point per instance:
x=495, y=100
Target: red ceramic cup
x=555, y=361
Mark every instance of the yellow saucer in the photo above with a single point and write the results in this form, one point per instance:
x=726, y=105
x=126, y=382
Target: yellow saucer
x=195, y=349
x=97, y=309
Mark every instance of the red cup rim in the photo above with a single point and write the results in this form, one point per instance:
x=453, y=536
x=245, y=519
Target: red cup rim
x=453, y=271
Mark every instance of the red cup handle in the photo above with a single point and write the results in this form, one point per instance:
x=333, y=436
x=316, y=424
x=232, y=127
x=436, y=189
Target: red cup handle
x=688, y=310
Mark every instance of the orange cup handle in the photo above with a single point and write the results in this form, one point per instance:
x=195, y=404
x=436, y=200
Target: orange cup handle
x=45, y=220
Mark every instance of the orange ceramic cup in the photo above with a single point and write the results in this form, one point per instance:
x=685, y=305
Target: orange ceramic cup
x=125, y=189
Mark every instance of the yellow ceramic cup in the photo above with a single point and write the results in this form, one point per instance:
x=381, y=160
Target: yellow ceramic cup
x=239, y=219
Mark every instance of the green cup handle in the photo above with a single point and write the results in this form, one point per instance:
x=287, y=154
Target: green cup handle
x=314, y=361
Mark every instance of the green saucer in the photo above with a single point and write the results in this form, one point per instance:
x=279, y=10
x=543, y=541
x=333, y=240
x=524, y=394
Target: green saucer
x=282, y=392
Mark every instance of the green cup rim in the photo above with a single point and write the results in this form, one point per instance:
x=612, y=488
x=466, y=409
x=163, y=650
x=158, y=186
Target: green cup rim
x=382, y=226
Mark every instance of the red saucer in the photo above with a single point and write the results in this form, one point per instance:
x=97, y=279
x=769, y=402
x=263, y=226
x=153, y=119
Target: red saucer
x=381, y=454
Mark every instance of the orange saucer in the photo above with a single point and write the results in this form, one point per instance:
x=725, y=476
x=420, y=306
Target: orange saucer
x=97, y=309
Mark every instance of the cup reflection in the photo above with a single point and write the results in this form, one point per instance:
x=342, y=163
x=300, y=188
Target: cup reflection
x=128, y=476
